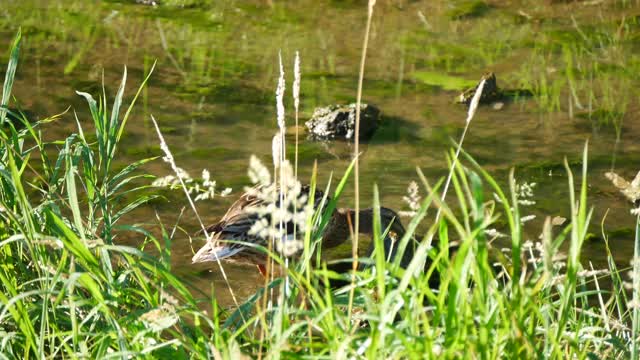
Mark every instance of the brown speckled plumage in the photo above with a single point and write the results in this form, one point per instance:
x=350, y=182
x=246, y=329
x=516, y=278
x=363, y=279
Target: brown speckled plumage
x=242, y=247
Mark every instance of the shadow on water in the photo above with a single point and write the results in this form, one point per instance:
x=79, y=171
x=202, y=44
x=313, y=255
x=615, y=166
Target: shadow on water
x=394, y=129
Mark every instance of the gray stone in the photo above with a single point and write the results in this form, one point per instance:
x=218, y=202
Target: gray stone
x=339, y=122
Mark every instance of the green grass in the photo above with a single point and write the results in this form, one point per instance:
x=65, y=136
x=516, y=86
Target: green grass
x=69, y=290
x=586, y=69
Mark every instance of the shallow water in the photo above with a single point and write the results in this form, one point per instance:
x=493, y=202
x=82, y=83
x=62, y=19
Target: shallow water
x=212, y=92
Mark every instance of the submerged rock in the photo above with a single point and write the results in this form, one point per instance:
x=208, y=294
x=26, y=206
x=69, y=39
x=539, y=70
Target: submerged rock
x=339, y=122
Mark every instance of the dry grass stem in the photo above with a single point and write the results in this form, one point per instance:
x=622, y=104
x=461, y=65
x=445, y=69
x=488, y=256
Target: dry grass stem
x=356, y=151
x=471, y=113
x=171, y=161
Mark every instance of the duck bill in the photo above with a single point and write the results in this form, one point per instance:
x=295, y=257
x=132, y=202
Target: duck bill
x=212, y=252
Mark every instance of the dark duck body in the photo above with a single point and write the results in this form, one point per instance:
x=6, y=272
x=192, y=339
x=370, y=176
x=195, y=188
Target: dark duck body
x=231, y=238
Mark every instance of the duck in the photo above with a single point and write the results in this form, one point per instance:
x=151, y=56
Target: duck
x=230, y=238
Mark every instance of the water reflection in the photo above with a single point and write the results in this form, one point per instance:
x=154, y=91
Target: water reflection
x=213, y=95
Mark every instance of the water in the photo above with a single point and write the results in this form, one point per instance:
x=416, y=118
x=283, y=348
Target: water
x=213, y=93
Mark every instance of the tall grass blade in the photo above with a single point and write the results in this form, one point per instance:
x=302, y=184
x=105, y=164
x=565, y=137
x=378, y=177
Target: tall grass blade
x=10, y=76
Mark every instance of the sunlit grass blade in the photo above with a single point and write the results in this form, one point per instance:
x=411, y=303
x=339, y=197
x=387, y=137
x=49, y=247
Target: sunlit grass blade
x=417, y=218
x=379, y=246
x=10, y=76
x=331, y=205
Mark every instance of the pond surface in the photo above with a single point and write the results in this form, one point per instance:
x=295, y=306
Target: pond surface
x=213, y=87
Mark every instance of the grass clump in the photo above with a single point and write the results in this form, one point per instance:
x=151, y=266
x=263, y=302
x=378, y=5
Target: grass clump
x=68, y=289
x=585, y=70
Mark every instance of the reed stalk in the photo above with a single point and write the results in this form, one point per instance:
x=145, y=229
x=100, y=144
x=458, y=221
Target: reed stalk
x=169, y=159
x=356, y=154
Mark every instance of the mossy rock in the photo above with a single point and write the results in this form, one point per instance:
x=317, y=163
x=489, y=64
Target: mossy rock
x=338, y=122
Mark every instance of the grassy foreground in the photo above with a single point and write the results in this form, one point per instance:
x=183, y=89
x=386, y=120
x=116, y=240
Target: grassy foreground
x=68, y=290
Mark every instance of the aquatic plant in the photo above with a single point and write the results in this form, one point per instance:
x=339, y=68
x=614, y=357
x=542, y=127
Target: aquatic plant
x=587, y=65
